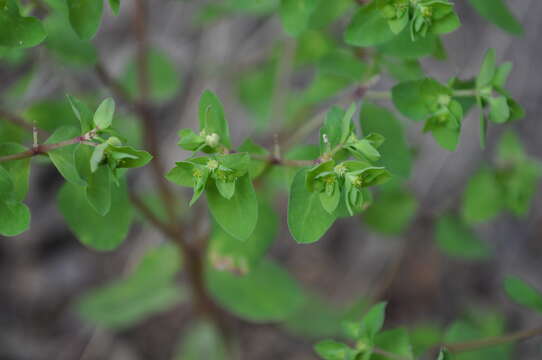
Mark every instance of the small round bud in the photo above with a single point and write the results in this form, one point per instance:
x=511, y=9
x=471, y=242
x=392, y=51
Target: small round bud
x=212, y=164
x=358, y=181
x=340, y=169
x=444, y=100
x=115, y=141
x=212, y=140
x=197, y=173
x=426, y=11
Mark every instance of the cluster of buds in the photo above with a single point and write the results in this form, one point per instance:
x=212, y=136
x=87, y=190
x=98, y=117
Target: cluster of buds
x=347, y=181
x=112, y=153
x=222, y=171
x=424, y=16
x=204, y=141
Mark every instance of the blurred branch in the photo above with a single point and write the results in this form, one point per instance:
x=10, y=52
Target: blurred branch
x=192, y=255
x=494, y=341
x=106, y=78
x=15, y=120
x=282, y=82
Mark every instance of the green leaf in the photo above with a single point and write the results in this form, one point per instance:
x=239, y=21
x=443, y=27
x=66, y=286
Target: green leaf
x=372, y=322
x=409, y=98
x=344, y=63
x=501, y=75
x=395, y=152
x=6, y=184
x=256, y=166
x=392, y=212
x=296, y=14
x=402, y=46
x=522, y=293
x=212, y=118
x=497, y=12
x=520, y=185
x=266, y=294
x=333, y=129
x=189, y=140
x=482, y=199
x=128, y=157
x=368, y=28
x=510, y=148
x=14, y=217
x=499, y=112
x=150, y=289
x=51, y=114
x=85, y=17
x=332, y=350
x=18, y=170
x=327, y=12
x=164, y=79
x=202, y=341
x=396, y=341
x=82, y=113
x=98, y=190
x=487, y=70
x=404, y=70
x=239, y=214
x=308, y=221
x=115, y=6
x=63, y=42
x=182, y=174
x=93, y=230
x=18, y=31
x=103, y=117
x=64, y=158
x=446, y=24
x=456, y=240
x=239, y=257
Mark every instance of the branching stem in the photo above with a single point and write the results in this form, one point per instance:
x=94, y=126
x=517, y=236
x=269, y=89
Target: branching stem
x=45, y=148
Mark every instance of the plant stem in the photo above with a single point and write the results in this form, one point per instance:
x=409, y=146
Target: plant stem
x=193, y=255
x=45, y=148
x=465, y=93
x=378, y=95
x=494, y=341
x=389, y=355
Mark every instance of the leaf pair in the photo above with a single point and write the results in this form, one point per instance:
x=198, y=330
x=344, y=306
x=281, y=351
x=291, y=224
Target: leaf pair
x=86, y=16
x=381, y=20
x=426, y=16
x=19, y=31
x=230, y=193
x=367, y=335
x=431, y=101
x=490, y=93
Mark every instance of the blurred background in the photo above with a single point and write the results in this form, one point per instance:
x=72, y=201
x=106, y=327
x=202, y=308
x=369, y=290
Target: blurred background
x=197, y=45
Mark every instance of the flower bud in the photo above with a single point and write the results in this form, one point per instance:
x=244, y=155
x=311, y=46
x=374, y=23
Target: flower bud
x=212, y=140
x=115, y=141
